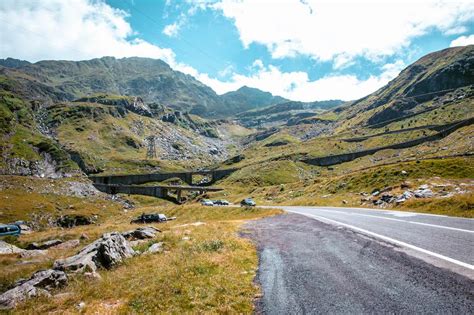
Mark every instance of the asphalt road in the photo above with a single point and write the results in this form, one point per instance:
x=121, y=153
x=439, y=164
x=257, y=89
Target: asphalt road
x=363, y=261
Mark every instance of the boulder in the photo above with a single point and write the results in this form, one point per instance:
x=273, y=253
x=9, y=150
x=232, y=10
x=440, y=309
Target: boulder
x=6, y=248
x=40, y=283
x=106, y=252
x=141, y=233
x=155, y=248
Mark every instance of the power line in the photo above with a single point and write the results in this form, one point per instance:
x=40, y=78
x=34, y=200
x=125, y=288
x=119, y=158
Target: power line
x=200, y=50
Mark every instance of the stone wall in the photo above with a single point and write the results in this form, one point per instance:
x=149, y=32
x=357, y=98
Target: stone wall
x=346, y=157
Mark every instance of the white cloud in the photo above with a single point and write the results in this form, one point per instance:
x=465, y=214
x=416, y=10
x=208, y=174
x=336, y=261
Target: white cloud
x=172, y=30
x=297, y=86
x=325, y=30
x=73, y=30
x=82, y=29
x=463, y=41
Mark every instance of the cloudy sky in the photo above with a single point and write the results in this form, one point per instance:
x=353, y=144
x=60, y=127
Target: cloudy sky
x=300, y=49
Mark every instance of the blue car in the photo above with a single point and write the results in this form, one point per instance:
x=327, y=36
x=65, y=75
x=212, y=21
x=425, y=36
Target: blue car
x=9, y=229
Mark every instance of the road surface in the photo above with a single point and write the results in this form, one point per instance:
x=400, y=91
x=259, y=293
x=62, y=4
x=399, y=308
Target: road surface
x=344, y=260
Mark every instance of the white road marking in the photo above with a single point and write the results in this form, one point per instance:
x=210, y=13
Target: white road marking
x=400, y=212
x=391, y=240
x=399, y=220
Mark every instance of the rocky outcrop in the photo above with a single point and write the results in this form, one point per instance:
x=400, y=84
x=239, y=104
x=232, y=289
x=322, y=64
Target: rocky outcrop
x=40, y=283
x=133, y=104
x=106, y=252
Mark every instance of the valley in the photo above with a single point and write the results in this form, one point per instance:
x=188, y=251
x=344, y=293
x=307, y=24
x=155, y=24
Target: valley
x=407, y=147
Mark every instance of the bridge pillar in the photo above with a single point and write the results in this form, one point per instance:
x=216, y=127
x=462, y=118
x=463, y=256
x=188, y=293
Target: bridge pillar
x=188, y=178
x=178, y=195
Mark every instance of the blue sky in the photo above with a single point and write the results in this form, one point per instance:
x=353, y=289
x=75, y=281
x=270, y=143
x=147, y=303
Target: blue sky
x=300, y=49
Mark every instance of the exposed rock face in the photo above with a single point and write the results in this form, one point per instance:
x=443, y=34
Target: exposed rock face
x=39, y=284
x=106, y=252
x=46, y=167
x=134, y=104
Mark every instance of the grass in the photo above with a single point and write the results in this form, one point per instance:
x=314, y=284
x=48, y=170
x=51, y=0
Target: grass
x=204, y=269
x=332, y=188
x=459, y=205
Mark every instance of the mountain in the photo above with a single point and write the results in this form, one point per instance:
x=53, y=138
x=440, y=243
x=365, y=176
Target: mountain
x=429, y=81
x=247, y=98
x=152, y=80
x=425, y=113
x=284, y=113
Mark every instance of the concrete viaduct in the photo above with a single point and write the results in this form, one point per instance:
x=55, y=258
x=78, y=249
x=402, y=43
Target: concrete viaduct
x=129, y=184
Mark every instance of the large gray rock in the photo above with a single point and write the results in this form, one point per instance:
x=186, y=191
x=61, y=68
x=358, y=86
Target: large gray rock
x=39, y=284
x=106, y=252
x=6, y=248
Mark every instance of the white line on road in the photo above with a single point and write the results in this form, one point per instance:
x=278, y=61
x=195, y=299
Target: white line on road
x=391, y=240
x=399, y=220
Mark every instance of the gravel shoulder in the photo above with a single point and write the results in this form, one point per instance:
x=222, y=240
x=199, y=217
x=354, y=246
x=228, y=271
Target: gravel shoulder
x=306, y=266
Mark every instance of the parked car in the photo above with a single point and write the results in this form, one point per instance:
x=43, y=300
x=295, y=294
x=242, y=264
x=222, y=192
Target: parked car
x=207, y=202
x=9, y=229
x=151, y=217
x=248, y=202
x=220, y=202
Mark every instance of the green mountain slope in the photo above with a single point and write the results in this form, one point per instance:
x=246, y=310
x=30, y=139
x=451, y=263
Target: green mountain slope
x=247, y=98
x=426, y=112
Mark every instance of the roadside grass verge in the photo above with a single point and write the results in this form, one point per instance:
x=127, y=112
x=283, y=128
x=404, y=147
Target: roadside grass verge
x=205, y=268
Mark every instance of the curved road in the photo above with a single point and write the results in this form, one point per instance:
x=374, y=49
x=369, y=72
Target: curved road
x=352, y=260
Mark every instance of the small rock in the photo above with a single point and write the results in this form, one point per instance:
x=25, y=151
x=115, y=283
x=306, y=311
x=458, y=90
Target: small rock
x=424, y=186
x=186, y=238
x=344, y=202
x=156, y=248
x=404, y=172
x=81, y=305
x=141, y=233
x=83, y=237
x=423, y=193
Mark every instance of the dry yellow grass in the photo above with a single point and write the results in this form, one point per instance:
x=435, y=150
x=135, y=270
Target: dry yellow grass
x=205, y=269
